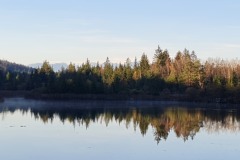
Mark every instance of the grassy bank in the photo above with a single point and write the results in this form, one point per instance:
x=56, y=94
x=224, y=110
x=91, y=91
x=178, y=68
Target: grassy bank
x=107, y=97
x=184, y=97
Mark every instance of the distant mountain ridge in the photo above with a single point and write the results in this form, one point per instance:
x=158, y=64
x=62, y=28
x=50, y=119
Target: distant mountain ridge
x=56, y=66
x=7, y=66
x=59, y=66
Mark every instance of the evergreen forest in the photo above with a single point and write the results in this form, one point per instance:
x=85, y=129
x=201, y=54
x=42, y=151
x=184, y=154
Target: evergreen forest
x=183, y=77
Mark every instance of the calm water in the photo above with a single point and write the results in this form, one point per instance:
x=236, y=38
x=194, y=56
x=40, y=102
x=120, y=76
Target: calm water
x=117, y=130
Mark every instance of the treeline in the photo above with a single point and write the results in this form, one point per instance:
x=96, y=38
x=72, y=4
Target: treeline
x=183, y=76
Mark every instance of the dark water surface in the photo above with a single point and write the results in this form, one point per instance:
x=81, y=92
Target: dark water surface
x=114, y=130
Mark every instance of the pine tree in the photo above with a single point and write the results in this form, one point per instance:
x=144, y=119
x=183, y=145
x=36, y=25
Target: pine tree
x=144, y=66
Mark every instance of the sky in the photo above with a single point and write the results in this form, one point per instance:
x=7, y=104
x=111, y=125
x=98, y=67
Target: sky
x=32, y=31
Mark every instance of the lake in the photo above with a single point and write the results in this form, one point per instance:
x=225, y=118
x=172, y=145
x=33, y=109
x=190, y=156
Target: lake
x=114, y=130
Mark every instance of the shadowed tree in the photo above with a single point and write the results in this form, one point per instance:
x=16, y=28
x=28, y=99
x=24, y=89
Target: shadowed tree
x=108, y=75
x=144, y=66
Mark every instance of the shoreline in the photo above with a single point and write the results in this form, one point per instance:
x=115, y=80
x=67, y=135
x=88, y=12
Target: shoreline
x=115, y=97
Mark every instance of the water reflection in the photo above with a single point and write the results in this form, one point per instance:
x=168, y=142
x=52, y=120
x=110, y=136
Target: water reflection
x=185, y=120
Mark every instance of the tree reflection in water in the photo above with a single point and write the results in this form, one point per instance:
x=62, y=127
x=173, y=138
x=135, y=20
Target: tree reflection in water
x=184, y=121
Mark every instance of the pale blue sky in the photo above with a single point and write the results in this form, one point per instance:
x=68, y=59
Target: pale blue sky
x=73, y=30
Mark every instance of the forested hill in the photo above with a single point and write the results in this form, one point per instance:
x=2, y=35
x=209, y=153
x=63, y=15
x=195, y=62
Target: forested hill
x=6, y=66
